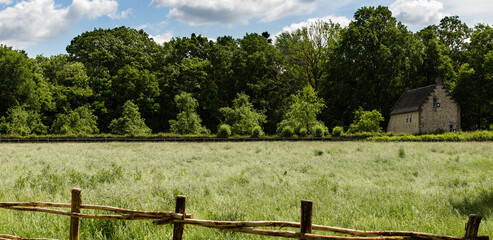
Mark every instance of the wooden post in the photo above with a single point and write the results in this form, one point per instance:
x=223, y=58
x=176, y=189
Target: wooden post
x=472, y=226
x=74, y=221
x=306, y=216
x=180, y=208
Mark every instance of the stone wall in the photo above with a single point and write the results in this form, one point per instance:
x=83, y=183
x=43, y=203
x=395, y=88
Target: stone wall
x=404, y=123
x=437, y=118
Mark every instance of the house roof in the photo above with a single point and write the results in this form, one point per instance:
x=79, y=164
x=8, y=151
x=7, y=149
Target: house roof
x=411, y=100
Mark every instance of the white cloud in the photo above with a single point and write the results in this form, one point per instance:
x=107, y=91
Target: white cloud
x=93, y=9
x=6, y=2
x=472, y=11
x=228, y=12
x=162, y=38
x=426, y=12
x=418, y=12
x=31, y=21
x=343, y=21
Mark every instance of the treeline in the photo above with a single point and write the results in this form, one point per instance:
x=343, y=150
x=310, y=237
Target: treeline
x=367, y=64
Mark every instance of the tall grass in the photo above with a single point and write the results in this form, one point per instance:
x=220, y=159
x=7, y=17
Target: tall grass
x=426, y=187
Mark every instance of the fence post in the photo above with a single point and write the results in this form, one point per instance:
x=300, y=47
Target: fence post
x=180, y=208
x=306, y=216
x=74, y=221
x=472, y=226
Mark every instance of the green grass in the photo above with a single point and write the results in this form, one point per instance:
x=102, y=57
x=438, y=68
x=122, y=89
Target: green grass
x=425, y=187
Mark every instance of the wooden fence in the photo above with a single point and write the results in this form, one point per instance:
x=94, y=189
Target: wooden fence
x=179, y=218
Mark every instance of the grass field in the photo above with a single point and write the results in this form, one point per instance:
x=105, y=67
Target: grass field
x=425, y=187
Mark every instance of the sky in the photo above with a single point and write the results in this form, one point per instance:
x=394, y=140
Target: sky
x=46, y=27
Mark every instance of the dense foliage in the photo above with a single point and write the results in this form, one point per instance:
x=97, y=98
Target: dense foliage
x=368, y=63
x=242, y=117
x=366, y=121
x=130, y=121
x=302, y=113
x=187, y=121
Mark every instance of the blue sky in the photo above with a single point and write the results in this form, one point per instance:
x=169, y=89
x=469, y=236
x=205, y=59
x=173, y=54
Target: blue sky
x=47, y=26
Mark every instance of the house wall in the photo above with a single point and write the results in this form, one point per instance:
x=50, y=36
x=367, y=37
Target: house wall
x=404, y=123
x=434, y=119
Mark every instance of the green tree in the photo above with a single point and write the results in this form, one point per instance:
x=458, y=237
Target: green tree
x=453, y=33
x=475, y=81
x=366, y=121
x=256, y=70
x=112, y=55
x=242, y=117
x=187, y=121
x=22, y=121
x=80, y=120
x=111, y=49
x=188, y=68
x=436, y=61
x=306, y=51
x=130, y=121
x=68, y=83
x=374, y=62
x=21, y=83
x=302, y=113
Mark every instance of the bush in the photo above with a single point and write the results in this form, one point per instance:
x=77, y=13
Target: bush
x=287, y=131
x=303, y=111
x=23, y=122
x=302, y=132
x=130, y=122
x=187, y=121
x=319, y=131
x=243, y=117
x=257, y=132
x=80, y=121
x=337, y=131
x=366, y=121
x=224, y=131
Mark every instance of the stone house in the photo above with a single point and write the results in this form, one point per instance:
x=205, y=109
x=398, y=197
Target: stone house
x=425, y=110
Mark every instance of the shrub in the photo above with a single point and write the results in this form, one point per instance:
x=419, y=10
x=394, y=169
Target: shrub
x=287, y=131
x=402, y=153
x=319, y=131
x=81, y=121
x=366, y=121
x=23, y=122
x=257, y=132
x=337, y=131
x=482, y=135
x=130, y=122
x=187, y=121
x=303, y=111
x=302, y=132
x=224, y=131
x=242, y=117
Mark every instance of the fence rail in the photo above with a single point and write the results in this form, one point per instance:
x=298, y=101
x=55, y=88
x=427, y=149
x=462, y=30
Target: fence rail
x=180, y=218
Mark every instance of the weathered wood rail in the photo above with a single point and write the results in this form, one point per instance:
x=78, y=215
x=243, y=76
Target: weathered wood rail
x=180, y=218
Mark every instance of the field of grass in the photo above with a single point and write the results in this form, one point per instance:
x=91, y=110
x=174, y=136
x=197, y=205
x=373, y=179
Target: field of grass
x=425, y=187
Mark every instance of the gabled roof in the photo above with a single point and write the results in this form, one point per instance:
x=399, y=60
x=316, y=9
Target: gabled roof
x=411, y=100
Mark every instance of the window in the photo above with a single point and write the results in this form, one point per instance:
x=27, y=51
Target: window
x=410, y=117
x=452, y=128
x=435, y=103
x=407, y=117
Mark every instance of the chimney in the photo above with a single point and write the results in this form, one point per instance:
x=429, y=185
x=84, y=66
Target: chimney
x=439, y=81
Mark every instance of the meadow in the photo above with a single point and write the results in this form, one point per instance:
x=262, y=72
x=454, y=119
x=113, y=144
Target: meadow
x=425, y=187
